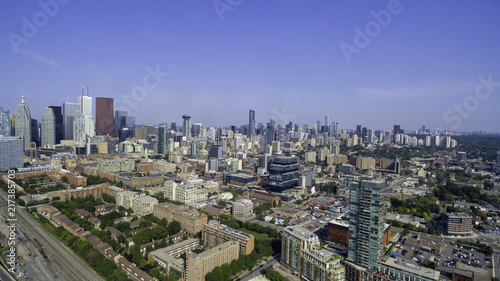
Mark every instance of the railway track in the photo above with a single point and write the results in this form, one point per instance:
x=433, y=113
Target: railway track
x=61, y=261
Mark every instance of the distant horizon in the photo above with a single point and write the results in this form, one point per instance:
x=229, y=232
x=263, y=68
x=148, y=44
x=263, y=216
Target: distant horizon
x=373, y=63
x=238, y=126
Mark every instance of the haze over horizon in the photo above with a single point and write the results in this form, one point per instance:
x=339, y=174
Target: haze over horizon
x=424, y=65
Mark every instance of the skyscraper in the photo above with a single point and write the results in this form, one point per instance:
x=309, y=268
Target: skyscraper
x=358, y=130
x=162, y=136
x=48, y=128
x=251, y=123
x=186, y=126
x=327, y=121
x=366, y=221
x=69, y=113
x=370, y=136
x=117, y=122
x=104, y=116
x=23, y=122
x=196, y=129
x=83, y=128
x=59, y=123
x=13, y=124
x=124, y=126
x=397, y=129
x=35, y=134
x=85, y=105
x=173, y=126
x=5, y=124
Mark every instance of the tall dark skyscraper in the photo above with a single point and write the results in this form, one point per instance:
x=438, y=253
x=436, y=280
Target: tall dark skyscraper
x=251, y=123
x=118, y=122
x=162, y=138
x=186, y=126
x=358, y=130
x=366, y=221
x=397, y=129
x=104, y=116
x=59, y=123
x=173, y=126
x=35, y=137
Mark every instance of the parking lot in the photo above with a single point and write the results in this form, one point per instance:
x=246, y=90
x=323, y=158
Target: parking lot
x=465, y=254
x=448, y=258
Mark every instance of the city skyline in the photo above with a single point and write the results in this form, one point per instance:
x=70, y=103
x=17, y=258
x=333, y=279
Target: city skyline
x=288, y=64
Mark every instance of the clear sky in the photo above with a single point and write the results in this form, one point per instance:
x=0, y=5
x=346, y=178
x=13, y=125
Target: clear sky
x=285, y=59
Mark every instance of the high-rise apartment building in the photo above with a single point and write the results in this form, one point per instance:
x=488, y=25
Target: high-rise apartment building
x=104, y=116
x=162, y=138
x=11, y=152
x=5, y=123
x=294, y=241
x=48, y=128
x=213, y=233
x=366, y=222
x=251, y=123
x=301, y=252
x=199, y=265
x=321, y=264
x=59, y=131
x=186, y=126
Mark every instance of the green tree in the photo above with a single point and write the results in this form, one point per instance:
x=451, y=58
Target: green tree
x=175, y=227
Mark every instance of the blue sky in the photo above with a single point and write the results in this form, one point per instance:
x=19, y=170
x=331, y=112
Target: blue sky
x=280, y=58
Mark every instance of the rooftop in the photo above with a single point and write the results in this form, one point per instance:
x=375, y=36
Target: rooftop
x=300, y=232
x=411, y=268
x=210, y=252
